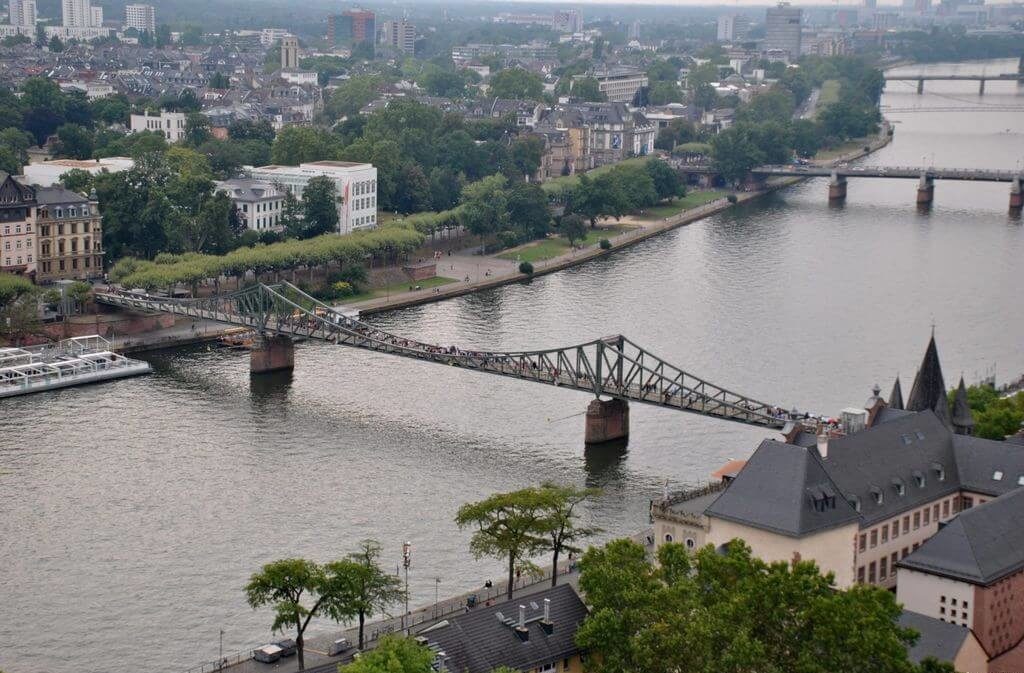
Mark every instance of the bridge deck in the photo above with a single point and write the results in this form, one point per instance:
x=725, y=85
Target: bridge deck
x=909, y=172
x=613, y=366
x=1009, y=76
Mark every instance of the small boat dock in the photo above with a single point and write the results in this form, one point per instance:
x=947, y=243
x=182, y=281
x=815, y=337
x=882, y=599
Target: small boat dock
x=71, y=362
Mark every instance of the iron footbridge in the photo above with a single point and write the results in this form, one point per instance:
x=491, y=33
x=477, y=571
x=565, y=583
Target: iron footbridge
x=611, y=366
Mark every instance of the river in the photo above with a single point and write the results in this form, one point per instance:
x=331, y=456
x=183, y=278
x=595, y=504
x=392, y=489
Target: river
x=132, y=513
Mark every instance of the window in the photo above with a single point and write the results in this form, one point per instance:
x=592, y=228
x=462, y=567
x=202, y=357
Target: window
x=668, y=537
x=1020, y=480
x=546, y=667
x=917, y=520
x=874, y=538
x=945, y=506
x=871, y=572
x=883, y=568
x=952, y=601
x=906, y=525
x=860, y=574
x=895, y=529
x=927, y=516
x=893, y=558
x=935, y=511
x=942, y=599
x=885, y=533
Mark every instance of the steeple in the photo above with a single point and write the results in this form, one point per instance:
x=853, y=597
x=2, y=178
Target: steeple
x=963, y=421
x=896, y=396
x=929, y=389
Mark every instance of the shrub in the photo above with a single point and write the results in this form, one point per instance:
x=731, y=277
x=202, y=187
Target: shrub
x=605, y=244
x=526, y=267
x=731, y=198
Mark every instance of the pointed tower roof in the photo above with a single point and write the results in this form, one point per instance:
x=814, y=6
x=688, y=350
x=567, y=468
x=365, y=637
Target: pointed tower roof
x=896, y=396
x=929, y=389
x=963, y=420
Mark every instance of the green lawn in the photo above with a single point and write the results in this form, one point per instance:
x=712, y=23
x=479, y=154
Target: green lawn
x=397, y=288
x=691, y=200
x=829, y=93
x=555, y=184
x=556, y=245
x=839, y=150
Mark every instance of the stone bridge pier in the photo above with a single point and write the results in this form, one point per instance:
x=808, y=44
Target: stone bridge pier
x=1016, y=195
x=607, y=421
x=925, y=190
x=837, y=187
x=271, y=353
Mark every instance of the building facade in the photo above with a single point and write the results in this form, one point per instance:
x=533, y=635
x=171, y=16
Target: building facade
x=400, y=35
x=170, y=124
x=270, y=36
x=733, y=27
x=141, y=18
x=46, y=173
x=355, y=185
x=258, y=203
x=22, y=13
x=289, y=53
x=620, y=84
x=352, y=27
x=17, y=236
x=80, y=14
x=70, y=236
x=783, y=25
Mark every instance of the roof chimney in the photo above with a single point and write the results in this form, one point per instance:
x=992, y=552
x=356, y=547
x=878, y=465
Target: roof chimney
x=823, y=443
x=546, y=622
x=521, y=631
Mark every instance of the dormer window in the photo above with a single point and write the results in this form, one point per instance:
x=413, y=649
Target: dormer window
x=876, y=494
x=900, y=487
x=919, y=479
x=940, y=471
x=854, y=502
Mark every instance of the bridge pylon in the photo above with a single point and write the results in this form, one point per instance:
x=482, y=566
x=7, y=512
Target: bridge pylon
x=607, y=421
x=1016, y=196
x=925, y=190
x=837, y=188
x=271, y=353
x=920, y=87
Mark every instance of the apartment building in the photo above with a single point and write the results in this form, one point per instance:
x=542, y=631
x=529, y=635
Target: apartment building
x=22, y=13
x=356, y=186
x=259, y=203
x=783, y=26
x=140, y=17
x=619, y=84
x=400, y=35
x=17, y=236
x=170, y=124
x=70, y=235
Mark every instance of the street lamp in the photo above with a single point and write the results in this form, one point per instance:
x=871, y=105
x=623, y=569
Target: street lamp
x=406, y=562
x=220, y=660
x=437, y=584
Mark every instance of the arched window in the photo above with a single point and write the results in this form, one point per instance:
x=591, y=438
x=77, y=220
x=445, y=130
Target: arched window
x=690, y=543
x=668, y=537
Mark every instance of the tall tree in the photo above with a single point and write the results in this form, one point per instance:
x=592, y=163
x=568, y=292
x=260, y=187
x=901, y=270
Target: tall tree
x=516, y=83
x=506, y=525
x=560, y=514
x=320, y=206
x=73, y=142
x=484, y=206
x=371, y=589
x=587, y=89
x=573, y=228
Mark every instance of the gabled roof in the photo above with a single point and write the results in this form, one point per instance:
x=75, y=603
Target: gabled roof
x=980, y=546
x=893, y=457
x=482, y=639
x=781, y=489
x=939, y=639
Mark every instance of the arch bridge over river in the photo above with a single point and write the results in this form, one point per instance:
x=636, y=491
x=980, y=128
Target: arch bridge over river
x=614, y=366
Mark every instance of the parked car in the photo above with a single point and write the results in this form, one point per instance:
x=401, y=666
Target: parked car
x=339, y=646
x=287, y=647
x=267, y=654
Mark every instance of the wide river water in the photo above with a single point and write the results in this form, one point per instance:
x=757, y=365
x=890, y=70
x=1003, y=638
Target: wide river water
x=132, y=513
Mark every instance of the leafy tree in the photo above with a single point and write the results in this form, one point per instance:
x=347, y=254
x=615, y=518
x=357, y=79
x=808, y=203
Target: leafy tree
x=319, y=206
x=371, y=589
x=55, y=45
x=666, y=181
x=73, y=141
x=516, y=83
x=806, y=137
x=111, y=109
x=351, y=96
x=415, y=193
x=663, y=93
x=9, y=162
x=19, y=314
x=77, y=108
x=525, y=155
x=197, y=129
x=192, y=36
x=678, y=131
x=573, y=228
x=393, y=655
x=298, y=590
x=775, y=105
x=291, y=214
x=484, y=206
x=733, y=154
x=560, y=514
x=163, y=35
x=703, y=74
x=445, y=188
x=44, y=107
x=732, y=612
x=587, y=89
x=298, y=144
x=77, y=180
x=446, y=83
x=506, y=525
x=244, y=129
x=528, y=210
x=995, y=417
x=219, y=80
x=705, y=97
x=12, y=110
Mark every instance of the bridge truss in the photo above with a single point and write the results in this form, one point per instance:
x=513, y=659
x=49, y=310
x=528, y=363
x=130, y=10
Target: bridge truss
x=611, y=366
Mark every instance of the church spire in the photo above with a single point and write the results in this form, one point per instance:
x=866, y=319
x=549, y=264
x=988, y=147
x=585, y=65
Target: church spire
x=929, y=389
x=896, y=396
x=963, y=420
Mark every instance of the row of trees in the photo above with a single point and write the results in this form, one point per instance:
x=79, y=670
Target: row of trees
x=321, y=252
x=625, y=188
x=517, y=526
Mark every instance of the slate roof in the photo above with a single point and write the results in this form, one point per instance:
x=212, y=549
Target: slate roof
x=777, y=490
x=929, y=389
x=893, y=456
x=979, y=460
x=58, y=194
x=939, y=639
x=479, y=641
x=980, y=546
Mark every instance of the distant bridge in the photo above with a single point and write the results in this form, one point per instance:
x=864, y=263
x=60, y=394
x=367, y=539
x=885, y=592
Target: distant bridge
x=613, y=366
x=981, y=79
x=926, y=178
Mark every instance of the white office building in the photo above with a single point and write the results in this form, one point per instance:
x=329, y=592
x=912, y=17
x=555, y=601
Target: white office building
x=271, y=36
x=22, y=13
x=140, y=17
x=170, y=124
x=46, y=173
x=619, y=84
x=401, y=35
x=356, y=186
x=259, y=203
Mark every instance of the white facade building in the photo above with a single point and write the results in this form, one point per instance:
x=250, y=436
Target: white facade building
x=46, y=173
x=356, y=186
x=171, y=124
x=270, y=36
x=783, y=25
x=80, y=14
x=401, y=35
x=733, y=27
x=22, y=13
x=140, y=17
x=259, y=203
x=95, y=17
x=619, y=84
